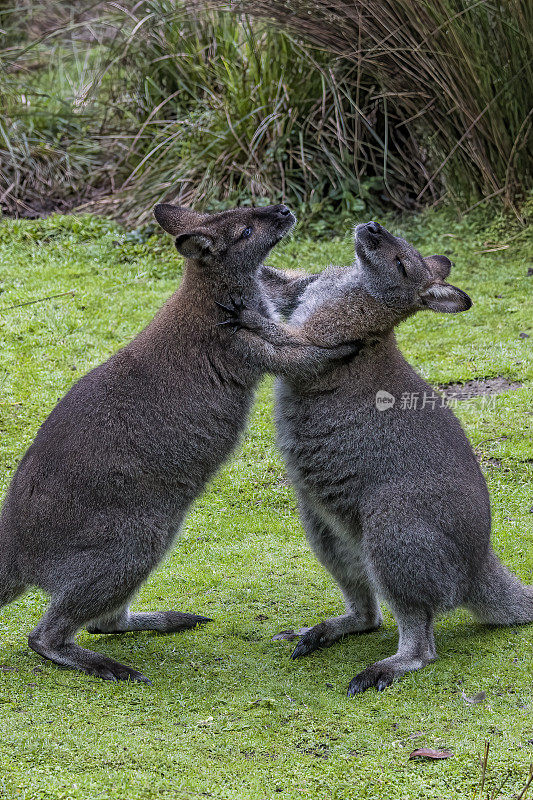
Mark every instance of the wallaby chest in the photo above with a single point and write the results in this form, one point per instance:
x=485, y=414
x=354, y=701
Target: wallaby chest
x=341, y=444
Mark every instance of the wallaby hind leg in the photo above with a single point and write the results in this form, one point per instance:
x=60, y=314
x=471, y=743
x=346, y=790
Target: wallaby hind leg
x=53, y=638
x=416, y=648
x=344, y=561
x=161, y=621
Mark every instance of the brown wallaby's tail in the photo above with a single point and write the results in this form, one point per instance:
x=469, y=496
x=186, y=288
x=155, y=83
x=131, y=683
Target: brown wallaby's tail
x=10, y=583
x=499, y=598
x=9, y=589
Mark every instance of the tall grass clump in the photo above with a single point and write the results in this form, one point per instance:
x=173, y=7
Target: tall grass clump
x=338, y=107
x=158, y=100
x=57, y=105
x=455, y=75
x=152, y=100
x=230, y=111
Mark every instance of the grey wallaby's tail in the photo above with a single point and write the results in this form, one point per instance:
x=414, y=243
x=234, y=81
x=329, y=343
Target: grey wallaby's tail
x=499, y=598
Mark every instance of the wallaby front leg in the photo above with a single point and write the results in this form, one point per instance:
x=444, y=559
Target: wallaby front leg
x=280, y=349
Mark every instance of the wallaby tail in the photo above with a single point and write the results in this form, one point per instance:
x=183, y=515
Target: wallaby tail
x=499, y=598
x=11, y=584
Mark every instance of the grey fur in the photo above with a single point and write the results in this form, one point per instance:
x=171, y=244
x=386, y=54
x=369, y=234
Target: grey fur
x=102, y=492
x=393, y=502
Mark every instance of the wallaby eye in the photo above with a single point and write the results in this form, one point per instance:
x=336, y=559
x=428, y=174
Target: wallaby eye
x=399, y=264
x=247, y=232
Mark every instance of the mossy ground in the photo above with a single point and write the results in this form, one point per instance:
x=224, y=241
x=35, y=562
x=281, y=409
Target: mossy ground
x=229, y=715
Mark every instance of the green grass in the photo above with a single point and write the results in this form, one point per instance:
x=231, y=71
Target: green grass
x=229, y=715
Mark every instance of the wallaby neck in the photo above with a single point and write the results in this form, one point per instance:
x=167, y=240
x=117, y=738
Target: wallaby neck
x=379, y=365
x=352, y=316
x=190, y=314
x=200, y=285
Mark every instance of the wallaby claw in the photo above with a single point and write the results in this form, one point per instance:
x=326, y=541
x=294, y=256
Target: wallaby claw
x=373, y=676
x=229, y=309
x=236, y=325
x=312, y=639
x=234, y=310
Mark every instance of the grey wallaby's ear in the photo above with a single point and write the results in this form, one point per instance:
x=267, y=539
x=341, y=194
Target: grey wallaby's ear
x=439, y=266
x=176, y=219
x=194, y=244
x=445, y=298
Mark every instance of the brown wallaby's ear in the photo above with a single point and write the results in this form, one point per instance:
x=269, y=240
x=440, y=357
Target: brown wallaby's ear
x=445, y=298
x=439, y=266
x=176, y=219
x=194, y=244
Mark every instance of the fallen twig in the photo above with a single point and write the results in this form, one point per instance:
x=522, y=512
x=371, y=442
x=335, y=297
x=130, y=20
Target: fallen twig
x=72, y=292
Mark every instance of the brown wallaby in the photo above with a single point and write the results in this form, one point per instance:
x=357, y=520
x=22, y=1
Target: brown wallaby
x=392, y=499
x=100, y=495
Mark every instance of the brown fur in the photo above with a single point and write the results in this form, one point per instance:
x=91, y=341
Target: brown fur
x=102, y=492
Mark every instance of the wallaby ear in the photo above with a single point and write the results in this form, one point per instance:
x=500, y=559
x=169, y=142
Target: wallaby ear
x=194, y=244
x=176, y=219
x=439, y=266
x=446, y=298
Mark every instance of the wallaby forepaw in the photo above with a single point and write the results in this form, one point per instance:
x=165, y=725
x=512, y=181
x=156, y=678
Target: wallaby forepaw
x=312, y=639
x=378, y=677
x=234, y=310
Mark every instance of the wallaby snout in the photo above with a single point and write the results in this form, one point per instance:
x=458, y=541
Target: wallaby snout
x=280, y=217
x=279, y=210
x=369, y=232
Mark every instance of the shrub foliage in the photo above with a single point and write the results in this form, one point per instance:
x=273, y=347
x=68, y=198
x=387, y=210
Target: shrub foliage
x=337, y=106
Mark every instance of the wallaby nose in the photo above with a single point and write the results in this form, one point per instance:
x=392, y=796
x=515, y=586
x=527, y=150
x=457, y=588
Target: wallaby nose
x=373, y=227
x=283, y=210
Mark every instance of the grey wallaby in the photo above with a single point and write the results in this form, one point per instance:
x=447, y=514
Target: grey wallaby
x=391, y=496
x=102, y=492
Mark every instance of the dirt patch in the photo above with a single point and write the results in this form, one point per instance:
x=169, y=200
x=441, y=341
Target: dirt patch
x=479, y=387
x=489, y=463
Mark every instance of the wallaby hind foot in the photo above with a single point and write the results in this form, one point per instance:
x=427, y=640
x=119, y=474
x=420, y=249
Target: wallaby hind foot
x=53, y=637
x=416, y=648
x=160, y=621
x=72, y=656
